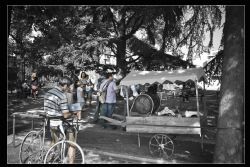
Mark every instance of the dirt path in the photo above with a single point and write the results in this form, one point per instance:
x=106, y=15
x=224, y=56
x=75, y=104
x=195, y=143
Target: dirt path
x=116, y=142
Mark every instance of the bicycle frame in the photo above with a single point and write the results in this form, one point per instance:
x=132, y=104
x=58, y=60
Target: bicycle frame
x=41, y=133
x=43, y=129
x=62, y=130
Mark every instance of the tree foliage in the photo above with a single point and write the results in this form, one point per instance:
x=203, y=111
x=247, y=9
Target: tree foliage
x=213, y=69
x=20, y=28
x=201, y=19
x=79, y=35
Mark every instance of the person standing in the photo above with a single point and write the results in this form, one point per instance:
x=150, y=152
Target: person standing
x=25, y=89
x=98, y=104
x=107, y=108
x=80, y=98
x=185, y=92
x=56, y=104
x=34, y=85
x=19, y=88
x=89, y=91
x=69, y=94
x=88, y=87
x=83, y=78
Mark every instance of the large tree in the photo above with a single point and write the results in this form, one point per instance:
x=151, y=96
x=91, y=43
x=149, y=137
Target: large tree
x=124, y=21
x=56, y=26
x=230, y=136
x=20, y=27
x=83, y=33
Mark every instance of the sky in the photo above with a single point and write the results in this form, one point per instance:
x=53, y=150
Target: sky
x=216, y=43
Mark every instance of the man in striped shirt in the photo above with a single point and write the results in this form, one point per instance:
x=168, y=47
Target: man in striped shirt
x=56, y=104
x=55, y=101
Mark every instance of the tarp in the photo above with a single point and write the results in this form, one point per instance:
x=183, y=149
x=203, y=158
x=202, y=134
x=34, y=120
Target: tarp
x=142, y=77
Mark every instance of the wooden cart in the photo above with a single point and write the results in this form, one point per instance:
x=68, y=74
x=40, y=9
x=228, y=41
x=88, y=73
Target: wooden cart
x=160, y=143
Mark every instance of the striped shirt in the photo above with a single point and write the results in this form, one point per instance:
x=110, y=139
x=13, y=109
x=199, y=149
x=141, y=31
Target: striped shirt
x=55, y=102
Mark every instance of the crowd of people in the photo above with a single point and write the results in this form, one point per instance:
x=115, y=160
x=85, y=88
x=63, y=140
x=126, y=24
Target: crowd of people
x=71, y=97
x=60, y=101
x=81, y=91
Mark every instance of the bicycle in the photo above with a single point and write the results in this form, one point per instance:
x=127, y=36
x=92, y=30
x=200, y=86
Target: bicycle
x=33, y=149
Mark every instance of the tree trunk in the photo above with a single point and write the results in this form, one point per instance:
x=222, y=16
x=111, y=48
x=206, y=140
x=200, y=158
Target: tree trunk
x=121, y=54
x=23, y=66
x=230, y=135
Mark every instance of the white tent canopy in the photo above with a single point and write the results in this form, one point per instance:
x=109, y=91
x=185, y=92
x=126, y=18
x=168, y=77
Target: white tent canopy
x=142, y=77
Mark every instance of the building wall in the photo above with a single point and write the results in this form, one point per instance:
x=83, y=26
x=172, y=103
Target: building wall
x=104, y=59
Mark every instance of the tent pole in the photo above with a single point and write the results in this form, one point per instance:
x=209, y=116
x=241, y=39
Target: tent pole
x=204, y=100
x=198, y=108
x=204, y=84
x=127, y=101
x=197, y=99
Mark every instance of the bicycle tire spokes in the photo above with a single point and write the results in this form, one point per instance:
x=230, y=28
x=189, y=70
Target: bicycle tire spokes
x=34, y=149
x=59, y=153
x=30, y=150
x=161, y=145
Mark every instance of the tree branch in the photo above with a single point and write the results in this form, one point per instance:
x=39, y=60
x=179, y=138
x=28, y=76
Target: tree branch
x=132, y=55
x=164, y=35
x=113, y=40
x=14, y=38
x=112, y=49
x=194, y=22
x=115, y=26
x=129, y=19
x=134, y=60
x=185, y=38
x=114, y=22
x=134, y=29
x=109, y=54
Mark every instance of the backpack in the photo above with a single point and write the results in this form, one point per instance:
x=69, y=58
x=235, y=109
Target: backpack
x=103, y=93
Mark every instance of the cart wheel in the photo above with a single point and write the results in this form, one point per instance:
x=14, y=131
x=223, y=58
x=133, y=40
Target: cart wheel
x=161, y=145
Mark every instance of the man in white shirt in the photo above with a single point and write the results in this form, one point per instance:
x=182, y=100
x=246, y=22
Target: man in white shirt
x=108, y=106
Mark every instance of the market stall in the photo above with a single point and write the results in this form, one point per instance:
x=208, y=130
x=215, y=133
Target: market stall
x=148, y=120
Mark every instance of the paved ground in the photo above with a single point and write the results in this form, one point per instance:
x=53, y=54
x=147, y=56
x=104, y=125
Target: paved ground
x=115, y=146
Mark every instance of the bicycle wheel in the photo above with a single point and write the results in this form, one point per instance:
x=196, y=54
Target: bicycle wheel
x=58, y=153
x=31, y=148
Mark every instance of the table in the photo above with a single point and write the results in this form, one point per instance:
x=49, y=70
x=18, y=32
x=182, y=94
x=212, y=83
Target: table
x=33, y=114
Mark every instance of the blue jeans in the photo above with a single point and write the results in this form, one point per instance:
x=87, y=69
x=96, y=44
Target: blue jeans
x=88, y=95
x=107, y=110
x=97, y=110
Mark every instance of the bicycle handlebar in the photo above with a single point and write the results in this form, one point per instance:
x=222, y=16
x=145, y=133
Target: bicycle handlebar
x=51, y=117
x=65, y=120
